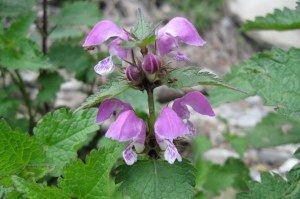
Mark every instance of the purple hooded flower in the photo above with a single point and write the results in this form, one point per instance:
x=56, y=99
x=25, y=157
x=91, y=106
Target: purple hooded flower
x=168, y=127
x=127, y=127
x=198, y=102
x=100, y=33
x=177, y=30
x=173, y=123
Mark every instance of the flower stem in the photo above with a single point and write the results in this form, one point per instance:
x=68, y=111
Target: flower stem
x=151, y=118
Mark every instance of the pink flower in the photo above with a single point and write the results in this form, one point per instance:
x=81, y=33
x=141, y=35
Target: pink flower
x=173, y=123
x=127, y=127
x=100, y=33
x=177, y=30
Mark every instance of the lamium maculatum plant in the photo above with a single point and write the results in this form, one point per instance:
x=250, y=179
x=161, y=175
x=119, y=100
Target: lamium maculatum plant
x=146, y=64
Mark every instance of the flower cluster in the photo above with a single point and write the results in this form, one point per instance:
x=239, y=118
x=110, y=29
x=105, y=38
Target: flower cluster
x=145, y=71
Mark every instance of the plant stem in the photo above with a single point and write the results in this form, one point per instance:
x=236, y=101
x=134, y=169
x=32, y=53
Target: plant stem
x=26, y=99
x=151, y=118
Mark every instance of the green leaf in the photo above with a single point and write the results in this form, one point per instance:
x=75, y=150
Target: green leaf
x=273, y=75
x=92, y=179
x=48, y=91
x=112, y=88
x=17, y=150
x=157, y=179
x=142, y=28
x=74, y=59
x=272, y=186
x=34, y=191
x=22, y=54
x=274, y=130
x=20, y=27
x=62, y=133
x=13, y=8
x=192, y=76
x=78, y=13
x=285, y=19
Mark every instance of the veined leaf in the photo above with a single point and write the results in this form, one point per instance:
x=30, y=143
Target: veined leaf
x=157, y=179
x=92, y=179
x=34, y=191
x=192, y=76
x=112, y=88
x=142, y=28
x=285, y=19
x=62, y=133
x=17, y=150
x=273, y=75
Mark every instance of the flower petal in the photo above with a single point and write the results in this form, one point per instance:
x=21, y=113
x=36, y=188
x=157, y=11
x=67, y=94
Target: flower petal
x=194, y=99
x=181, y=57
x=169, y=126
x=184, y=30
x=171, y=153
x=191, y=127
x=108, y=106
x=127, y=127
x=129, y=155
x=166, y=44
x=119, y=51
x=102, y=31
x=105, y=66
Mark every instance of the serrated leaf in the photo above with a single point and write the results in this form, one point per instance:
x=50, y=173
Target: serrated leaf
x=274, y=130
x=78, y=13
x=17, y=150
x=157, y=179
x=9, y=8
x=62, y=133
x=92, y=179
x=271, y=186
x=142, y=28
x=110, y=89
x=34, y=191
x=273, y=75
x=22, y=54
x=48, y=91
x=192, y=76
x=286, y=19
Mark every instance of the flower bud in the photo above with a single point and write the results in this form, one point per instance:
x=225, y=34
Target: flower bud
x=151, y=64
x=133, y=74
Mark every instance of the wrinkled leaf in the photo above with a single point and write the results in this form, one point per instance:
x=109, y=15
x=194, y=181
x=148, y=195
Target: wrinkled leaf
x=62, y=133
x=157, y=179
